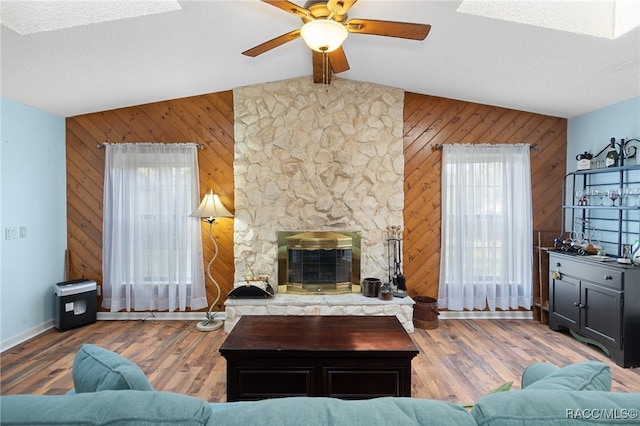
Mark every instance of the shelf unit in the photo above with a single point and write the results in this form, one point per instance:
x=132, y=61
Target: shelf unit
x=613, y=226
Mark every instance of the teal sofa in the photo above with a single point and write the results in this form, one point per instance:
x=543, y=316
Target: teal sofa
x=110, y=390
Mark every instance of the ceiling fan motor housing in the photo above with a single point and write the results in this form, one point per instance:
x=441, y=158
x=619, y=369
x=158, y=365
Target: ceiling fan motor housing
x=320, y=10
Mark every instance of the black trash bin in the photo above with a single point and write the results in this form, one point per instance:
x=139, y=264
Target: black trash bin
x=76, y=304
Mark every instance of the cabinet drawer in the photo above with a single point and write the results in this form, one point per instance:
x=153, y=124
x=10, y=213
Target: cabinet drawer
x=362, y=384
x=584, y=270
x=273, y=383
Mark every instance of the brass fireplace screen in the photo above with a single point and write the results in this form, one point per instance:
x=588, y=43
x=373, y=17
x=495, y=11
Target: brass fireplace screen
x=318, y=262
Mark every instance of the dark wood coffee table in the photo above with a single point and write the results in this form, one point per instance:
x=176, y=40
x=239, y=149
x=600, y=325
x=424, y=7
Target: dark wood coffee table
x=348, y=357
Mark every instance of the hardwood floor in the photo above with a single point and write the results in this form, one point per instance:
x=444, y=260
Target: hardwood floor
x=460, y=361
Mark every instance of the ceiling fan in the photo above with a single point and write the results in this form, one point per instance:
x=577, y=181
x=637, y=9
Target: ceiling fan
x=330, y=20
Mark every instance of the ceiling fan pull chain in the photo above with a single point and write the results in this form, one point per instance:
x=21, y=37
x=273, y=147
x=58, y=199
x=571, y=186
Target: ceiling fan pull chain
x=325, y=59
x=326, y=70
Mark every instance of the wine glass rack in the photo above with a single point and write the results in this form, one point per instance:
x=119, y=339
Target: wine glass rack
x=590, y=210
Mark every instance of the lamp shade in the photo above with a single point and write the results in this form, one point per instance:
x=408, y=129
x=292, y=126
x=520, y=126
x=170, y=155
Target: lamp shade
x=211, y=207
x=323, y=35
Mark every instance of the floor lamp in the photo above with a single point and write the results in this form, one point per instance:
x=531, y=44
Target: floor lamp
x=209, y=209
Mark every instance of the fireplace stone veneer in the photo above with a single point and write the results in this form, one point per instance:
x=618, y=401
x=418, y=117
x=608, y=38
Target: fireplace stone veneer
x=310, y=157
x=345, y=304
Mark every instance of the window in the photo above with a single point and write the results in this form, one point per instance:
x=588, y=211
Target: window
x=486, y=248
x=152, y=249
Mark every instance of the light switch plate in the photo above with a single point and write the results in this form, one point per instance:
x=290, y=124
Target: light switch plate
x=10, y=233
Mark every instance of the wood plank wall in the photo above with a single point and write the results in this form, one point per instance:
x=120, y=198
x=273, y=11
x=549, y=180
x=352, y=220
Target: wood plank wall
x=208, y=119
x=429, y=121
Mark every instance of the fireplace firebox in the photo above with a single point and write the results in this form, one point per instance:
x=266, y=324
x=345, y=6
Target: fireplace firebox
x=319, y=262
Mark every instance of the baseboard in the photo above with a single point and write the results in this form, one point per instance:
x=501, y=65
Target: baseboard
x=161, y=316
x=524, y=315
x=26, y=335
x=196, y=316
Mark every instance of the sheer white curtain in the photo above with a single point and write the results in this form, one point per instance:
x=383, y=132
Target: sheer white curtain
x=152, y=249
x=486, y=249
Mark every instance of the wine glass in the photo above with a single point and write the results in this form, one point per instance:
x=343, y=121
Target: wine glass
x=598, y=196
x=625, y=193
x=613, y=194
x=602, y=194
x=634, y=192
x=579, y=195
x=585, y=197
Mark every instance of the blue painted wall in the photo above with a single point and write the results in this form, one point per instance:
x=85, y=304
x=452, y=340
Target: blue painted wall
x=593, y=131
x=33, y=195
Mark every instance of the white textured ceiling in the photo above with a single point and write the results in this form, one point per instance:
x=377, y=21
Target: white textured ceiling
x=197, y=49
x=29, y=17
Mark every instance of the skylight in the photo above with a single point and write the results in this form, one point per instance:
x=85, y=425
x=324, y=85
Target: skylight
x=598, y=18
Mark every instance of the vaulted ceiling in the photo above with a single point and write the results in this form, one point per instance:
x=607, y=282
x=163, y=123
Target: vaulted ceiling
x=196, y=49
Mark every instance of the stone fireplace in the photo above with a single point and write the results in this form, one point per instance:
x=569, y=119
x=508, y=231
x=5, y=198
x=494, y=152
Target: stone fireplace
x=318, y=262
x=316, y=157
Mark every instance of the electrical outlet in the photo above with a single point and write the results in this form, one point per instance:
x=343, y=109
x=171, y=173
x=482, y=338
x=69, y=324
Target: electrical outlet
x=23, y=232
x=99, y=290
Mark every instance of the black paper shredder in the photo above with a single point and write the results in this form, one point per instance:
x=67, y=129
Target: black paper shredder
x=76, y=304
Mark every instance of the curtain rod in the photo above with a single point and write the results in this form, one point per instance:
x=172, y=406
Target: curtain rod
x=439, y=146
x=198, y=145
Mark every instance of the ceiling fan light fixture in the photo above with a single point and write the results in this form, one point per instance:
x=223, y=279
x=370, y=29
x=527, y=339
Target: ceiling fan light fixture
x=323, y=35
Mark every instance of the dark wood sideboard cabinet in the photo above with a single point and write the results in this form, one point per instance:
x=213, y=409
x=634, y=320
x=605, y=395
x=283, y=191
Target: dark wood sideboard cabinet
x=598, y=302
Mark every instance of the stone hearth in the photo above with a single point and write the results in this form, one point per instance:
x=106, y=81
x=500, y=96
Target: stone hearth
x=346, y=304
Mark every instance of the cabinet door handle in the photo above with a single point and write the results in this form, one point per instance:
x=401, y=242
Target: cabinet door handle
x=608, y=277
x=578, y=305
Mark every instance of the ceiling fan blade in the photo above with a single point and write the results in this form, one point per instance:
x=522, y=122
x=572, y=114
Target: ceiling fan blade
x=389, y=28
x=340, y=7
x=287, y=6
x=338, y=60
x=273, y=43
